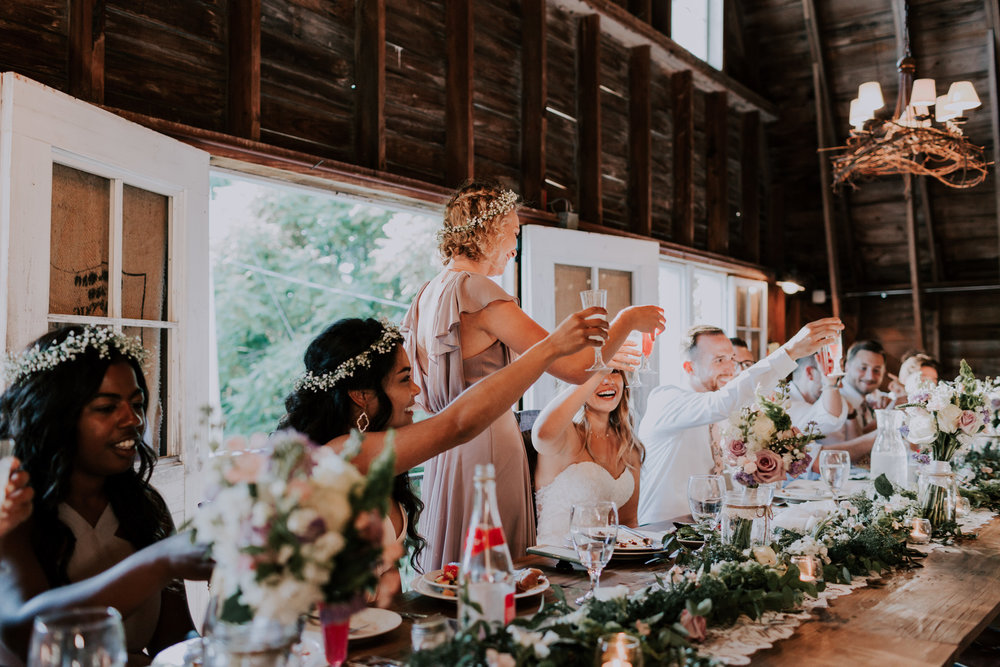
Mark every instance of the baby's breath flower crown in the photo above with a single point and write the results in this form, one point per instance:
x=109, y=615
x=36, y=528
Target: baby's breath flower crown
x=325, y=381
x=102, y=339
x=500, y=205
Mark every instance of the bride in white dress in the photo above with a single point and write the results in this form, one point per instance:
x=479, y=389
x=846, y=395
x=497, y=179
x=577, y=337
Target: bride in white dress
x=587, y=451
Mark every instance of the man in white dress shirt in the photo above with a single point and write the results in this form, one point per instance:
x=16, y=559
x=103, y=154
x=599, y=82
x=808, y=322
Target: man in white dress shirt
x=814, y=398
x=676, y=428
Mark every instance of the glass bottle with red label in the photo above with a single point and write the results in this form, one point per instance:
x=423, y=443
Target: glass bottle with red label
x=486, y=580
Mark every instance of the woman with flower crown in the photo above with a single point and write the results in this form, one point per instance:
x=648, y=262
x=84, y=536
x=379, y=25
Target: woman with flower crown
x=99, y=534
x=462, y=327
x=359, y=377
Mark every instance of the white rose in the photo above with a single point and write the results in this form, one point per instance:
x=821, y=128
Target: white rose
x=922, y=429
x=763, y=428
x=947, y=418
x=750, y=468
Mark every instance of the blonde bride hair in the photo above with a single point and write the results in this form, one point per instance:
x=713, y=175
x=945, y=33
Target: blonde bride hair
x=472, y=219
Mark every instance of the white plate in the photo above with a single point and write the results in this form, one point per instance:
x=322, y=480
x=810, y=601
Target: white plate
x=429, y=580
x=309, y=651
x=421, y=586
x=369, y=622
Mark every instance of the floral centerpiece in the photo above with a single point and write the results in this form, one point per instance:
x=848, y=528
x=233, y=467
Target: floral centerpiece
x=942, y=419
x=291, y=525
x=763, y=446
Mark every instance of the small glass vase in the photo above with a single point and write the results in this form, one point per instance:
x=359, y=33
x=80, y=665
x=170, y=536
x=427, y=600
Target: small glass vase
x=746, y=517
x=937, y=493
x=257, y=643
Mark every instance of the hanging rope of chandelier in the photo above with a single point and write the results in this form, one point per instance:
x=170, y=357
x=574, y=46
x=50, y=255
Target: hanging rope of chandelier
x=910, y=142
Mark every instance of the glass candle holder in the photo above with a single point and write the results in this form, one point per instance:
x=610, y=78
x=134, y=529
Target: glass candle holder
x=920, y=531
x=809, y=568
x=619, y=649
x=962, y=506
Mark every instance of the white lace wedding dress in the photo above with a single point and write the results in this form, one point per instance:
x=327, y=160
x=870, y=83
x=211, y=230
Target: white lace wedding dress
x=584, y=482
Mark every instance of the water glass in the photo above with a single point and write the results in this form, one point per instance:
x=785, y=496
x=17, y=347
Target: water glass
x=84, y=637
x=834, y=467
x=594, y=529
x=705, y=495
x=599, y=298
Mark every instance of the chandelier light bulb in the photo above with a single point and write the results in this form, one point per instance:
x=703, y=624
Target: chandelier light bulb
x=962, y=96
x=941, y=112
x=870, y=96
x=923, y=93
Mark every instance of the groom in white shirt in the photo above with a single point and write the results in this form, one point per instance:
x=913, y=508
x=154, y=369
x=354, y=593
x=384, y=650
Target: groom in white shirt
x=677, y=429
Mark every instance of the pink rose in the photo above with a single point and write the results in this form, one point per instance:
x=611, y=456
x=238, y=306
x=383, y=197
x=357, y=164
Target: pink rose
x=737, y=448
x=969, y=422
x=695, y=625
x=770, y=467
x=246, y=467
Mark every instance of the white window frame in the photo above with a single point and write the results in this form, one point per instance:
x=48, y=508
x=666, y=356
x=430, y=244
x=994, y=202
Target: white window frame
x=544, y=247
x=40, y=126
x=714, y=27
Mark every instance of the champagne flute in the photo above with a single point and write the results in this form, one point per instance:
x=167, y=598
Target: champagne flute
x=830, y=357
x=83, y=637
x=633, y=377
x=647, y=350
x=834, y=467
x=594, y=529
x=6, y=463
x=705, y=495
x=591, y=298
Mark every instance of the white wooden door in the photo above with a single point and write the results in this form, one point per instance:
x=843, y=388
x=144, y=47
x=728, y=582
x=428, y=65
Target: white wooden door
x=556, y=264
x=103, y=221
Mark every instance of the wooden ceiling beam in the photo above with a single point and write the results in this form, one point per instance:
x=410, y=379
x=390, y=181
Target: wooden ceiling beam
x=631, y=31
x=660, y=16
x=86, y=50
x=534, y=86
x=369, y=81
x=640, y=138
x=994, y=52
x=683, y=115
x=717, y=172
x=750, y=174
x=459, y=127
x=588, y=114
x=243, y=102
x=914, y=260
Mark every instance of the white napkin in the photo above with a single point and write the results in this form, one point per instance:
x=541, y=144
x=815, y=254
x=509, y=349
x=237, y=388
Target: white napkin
x=801, y=518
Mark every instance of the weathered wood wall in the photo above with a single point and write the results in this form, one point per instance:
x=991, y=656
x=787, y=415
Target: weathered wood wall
x=431, y=92
x=949, y=42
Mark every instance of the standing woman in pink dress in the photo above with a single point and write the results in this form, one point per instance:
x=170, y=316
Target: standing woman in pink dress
x=461, y=327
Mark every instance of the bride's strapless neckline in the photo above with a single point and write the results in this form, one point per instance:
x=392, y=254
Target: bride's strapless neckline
x=581, y=482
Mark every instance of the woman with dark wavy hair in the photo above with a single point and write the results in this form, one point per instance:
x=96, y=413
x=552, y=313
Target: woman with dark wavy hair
x=359, y=377
x=99, y=534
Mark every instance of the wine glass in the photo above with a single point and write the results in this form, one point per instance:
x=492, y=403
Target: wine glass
x=633, y=377
x=594, y=529
x=84, y=637
x=834, y=467
x=705, y=495
x=591, y=298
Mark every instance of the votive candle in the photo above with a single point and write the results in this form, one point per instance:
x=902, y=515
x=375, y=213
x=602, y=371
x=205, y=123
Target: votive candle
x=808, y=568
x=619, y=650
x=921, y=531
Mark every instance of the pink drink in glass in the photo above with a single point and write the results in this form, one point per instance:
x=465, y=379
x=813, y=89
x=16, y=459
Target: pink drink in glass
x=830, y=357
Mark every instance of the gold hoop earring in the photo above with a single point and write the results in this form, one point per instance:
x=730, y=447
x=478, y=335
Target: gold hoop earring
x=362, y=422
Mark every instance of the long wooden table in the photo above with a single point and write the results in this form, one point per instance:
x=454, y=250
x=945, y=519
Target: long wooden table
x=926, y=616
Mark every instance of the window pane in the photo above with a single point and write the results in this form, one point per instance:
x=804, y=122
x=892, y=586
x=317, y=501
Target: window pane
x=756, y=292
x=78, y=272
x=741, y=306
x=155, y=343
x=619, y=287
x=707, y=302
x=144, y=254
x=570, y=281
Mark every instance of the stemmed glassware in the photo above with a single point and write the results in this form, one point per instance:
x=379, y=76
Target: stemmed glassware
x=705, y=496
x=591, y=298
x=594, y=529
x=84, y=637
x=830, y=357
x=634, y=380
x=834, y=467
x=647, y=350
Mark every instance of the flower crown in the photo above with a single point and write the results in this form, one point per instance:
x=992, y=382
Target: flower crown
x=500, y=205
x=324, y=381
x=102, y=339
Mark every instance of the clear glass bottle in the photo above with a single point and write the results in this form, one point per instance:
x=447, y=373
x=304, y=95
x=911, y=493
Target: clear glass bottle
x=889, y=453
x=937, y=492
x=487, y=575
x=746, y=517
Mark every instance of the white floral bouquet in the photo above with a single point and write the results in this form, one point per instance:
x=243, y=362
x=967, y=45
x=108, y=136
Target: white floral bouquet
x=291, y=525
x=947, y=416
x=763, y=445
